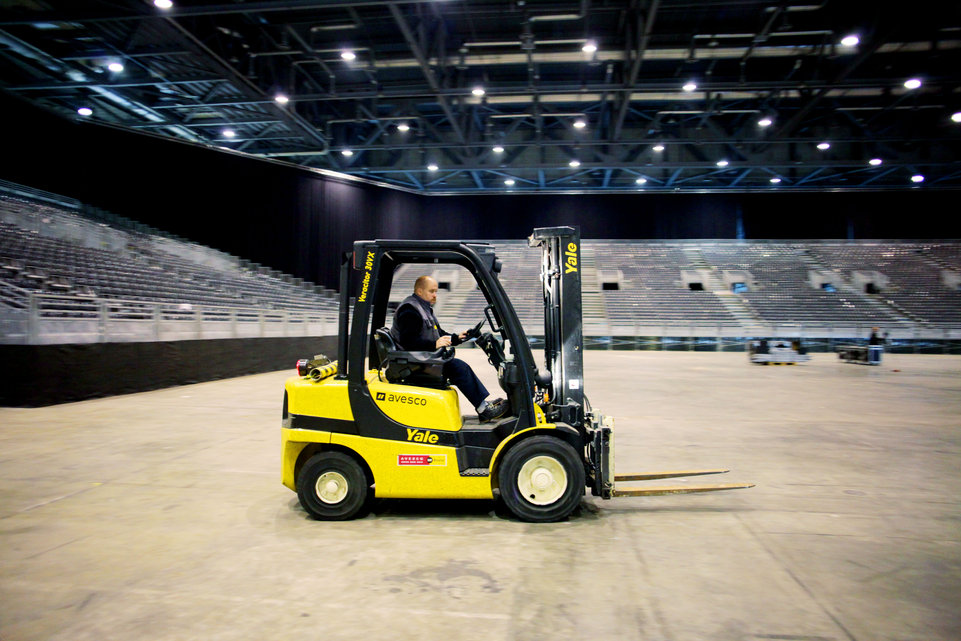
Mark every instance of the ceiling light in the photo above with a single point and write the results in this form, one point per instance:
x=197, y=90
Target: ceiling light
x=403, y=127
x=163, y=4
x=509, y=182
x=579, y=124
x=478, y=91
x=851, y=40
x=589, y=47
x=347, y=152
x=956, y=116
x=917, y=178
x=348, y=55
x=824, y=146
x=912, y=83
x=658, y=148
x=874, y=162
x=498, y=149
x=115, y=67
x=765, y=122
x=689, y=86
x=229, y=133
x=281, y=99
x=641, y=181
x=85, y=111
x=574, y=162
x=775, y=180
x=722, y=163
x=432, y=167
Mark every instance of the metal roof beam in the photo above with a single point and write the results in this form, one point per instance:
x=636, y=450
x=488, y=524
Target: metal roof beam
x=639, y=50
x=209, y=122
x=798, y=118
x=114, y=84
x=289, y=116
x=852, y=166
x=425, y=68
x=145, y=13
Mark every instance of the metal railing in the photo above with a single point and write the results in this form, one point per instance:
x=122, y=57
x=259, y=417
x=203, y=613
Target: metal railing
x=35, y=318
x=38, y=318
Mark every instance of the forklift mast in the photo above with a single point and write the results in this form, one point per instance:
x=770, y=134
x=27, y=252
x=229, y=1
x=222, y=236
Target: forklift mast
x=563, y=327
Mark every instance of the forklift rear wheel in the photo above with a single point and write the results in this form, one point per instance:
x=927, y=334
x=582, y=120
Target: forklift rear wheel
x=333, y=487
x=542, y=479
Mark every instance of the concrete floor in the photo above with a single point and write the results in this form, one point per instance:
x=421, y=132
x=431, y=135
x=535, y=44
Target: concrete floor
x=161, y=516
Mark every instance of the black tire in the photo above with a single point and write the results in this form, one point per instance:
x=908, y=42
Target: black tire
x=333, y=487
x=541, y=479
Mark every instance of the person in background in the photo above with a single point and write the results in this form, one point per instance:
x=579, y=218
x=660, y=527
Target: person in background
x=874, y=347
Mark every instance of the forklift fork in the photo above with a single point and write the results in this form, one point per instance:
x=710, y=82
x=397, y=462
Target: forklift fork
x=673, y=489
x=601, y=453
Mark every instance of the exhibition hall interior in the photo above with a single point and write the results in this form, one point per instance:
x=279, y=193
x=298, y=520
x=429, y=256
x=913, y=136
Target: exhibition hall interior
x=646, y=201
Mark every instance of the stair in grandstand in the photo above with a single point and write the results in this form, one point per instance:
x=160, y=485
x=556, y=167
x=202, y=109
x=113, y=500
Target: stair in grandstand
x=746, y=317
x=938, y=261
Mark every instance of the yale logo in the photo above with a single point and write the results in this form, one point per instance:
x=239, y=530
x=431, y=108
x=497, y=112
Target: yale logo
x=421, y=436
x=368, y=265
x=571, y=262
x=400, y=398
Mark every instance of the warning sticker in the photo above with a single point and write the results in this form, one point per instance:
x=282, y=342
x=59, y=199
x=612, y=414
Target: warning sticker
x=422, y=459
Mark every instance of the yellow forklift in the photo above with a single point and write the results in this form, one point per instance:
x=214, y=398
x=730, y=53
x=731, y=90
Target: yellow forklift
x=383, y=422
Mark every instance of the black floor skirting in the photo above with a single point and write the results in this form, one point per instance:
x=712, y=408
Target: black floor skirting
x=38, y=375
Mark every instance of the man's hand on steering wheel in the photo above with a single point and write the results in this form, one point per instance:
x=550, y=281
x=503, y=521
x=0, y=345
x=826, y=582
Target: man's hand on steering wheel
x=473, y=332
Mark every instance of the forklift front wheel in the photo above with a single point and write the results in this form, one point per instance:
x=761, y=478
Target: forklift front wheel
x=333, y=487
x=542, y=479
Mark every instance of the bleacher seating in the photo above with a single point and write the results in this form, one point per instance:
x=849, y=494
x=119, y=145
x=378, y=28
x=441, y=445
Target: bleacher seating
x=913, y=270
x=521, y=280
x=80, y=263
x=140, y=270
x=651, y=292
x=780, y=291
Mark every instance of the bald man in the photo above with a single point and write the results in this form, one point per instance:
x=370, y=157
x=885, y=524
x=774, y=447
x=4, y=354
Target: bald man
x=416, y=329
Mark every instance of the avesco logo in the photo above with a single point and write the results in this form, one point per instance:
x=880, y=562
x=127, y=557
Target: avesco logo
x=403, y=399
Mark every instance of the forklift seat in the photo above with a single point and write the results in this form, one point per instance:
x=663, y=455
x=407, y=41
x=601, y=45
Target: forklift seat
x=423, y=369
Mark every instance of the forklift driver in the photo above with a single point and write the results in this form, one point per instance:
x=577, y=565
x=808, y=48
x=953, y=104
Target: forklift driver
x=416, y=329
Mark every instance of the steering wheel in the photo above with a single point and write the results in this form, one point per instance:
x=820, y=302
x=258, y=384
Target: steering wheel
x=474, y=331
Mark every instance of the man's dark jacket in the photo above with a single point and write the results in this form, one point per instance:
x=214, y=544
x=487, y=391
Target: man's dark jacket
x=416, y=328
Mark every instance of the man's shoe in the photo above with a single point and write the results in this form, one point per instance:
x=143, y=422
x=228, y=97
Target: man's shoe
x=495, y=409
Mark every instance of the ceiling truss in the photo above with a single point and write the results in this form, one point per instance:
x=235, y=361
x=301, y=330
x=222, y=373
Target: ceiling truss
x=404, y=112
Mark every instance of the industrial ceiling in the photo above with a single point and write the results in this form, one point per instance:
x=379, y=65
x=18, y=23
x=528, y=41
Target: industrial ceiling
x=457, y=96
